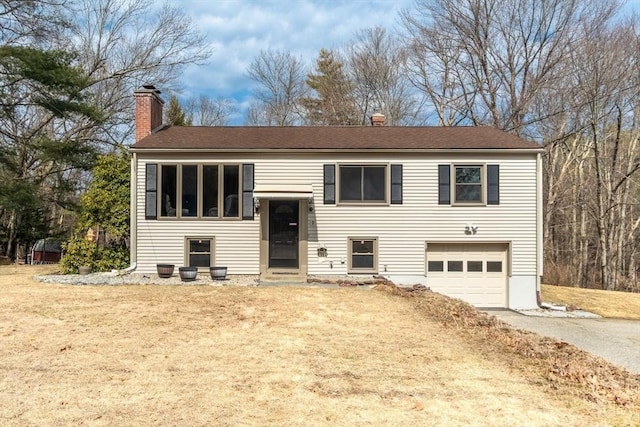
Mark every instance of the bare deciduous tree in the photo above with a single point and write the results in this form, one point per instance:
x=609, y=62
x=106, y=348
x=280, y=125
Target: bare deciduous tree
x=281, y=84
x=376, y=63
x=485, y=61
x=205, y=111
x=126, y=43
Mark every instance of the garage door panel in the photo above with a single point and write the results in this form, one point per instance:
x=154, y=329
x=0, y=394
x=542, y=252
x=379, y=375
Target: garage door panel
x=474, y=272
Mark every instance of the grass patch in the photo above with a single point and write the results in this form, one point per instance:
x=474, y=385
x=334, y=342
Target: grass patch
x=560, y=367
x=620, y=305
x=227, y=356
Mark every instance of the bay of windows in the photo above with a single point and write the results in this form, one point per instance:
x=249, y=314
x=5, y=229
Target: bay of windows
x=199, y=191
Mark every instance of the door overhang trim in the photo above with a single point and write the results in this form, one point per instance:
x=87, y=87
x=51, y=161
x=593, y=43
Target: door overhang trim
x=283, y=191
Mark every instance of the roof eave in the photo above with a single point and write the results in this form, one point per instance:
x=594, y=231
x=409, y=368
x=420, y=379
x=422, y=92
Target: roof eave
x=332, y=150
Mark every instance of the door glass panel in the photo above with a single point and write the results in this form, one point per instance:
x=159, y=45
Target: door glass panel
x=435, y=266
x=474, y=266
x=283, y=233
x=454, y=266
x=494, y=266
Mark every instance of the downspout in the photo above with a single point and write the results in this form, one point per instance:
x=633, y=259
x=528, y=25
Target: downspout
x=539, y=229
x=133, y=215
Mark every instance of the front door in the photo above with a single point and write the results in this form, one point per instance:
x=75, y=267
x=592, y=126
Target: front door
x=284, y=235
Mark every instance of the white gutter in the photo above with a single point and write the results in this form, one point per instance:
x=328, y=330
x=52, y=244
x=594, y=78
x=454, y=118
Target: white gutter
x=133, y=213
x=341, y=150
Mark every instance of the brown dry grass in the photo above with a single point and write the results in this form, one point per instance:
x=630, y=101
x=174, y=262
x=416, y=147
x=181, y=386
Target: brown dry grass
x=621, y=305
x=202, y=355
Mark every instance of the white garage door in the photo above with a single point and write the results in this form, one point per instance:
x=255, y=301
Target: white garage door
x=475, y=273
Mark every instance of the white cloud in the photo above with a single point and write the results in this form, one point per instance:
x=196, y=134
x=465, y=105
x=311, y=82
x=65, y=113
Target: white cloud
x=239, y=29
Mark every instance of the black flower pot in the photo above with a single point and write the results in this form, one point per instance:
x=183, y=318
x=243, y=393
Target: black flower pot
x=188, y=274
x=218, y=273
x=165, y=270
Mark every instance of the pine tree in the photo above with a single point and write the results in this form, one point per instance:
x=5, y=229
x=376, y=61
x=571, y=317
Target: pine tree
x=334, y=103
x=175, y=115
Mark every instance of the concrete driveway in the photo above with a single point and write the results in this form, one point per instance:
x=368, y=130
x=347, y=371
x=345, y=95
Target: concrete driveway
x=617, y=341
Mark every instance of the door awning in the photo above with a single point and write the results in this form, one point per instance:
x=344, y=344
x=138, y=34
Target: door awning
x=283, y=191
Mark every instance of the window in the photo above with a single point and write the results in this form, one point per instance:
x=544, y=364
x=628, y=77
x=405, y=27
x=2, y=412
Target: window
x=189, y=190
x=363, y=184
x=435, y=266
x=199, y=191
x=169, y=187
x=494, y=266
x=468, y=184
x=474, y=266
x=210, y=190
x=454, y=266
x=363, y=254
x=231, y=186
x=199, y=252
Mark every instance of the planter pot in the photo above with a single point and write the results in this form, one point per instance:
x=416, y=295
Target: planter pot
x=165, y=270
x=188, y=274
x=84, y=270
x=218, y=273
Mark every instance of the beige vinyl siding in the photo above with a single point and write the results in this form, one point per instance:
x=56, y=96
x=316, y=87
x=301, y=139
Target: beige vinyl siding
x=401, y=230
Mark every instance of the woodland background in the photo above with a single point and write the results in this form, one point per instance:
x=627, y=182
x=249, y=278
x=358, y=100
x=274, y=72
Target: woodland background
x=564, y=73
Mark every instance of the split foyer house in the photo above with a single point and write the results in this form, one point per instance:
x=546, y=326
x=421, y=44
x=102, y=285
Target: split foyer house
x=458, y=209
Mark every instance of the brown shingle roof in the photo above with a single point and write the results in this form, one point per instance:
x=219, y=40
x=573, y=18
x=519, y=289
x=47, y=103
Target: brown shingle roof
x=331, y=138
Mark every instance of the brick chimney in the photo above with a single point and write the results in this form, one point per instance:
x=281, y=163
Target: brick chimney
x=148, y=110
x=377, y=119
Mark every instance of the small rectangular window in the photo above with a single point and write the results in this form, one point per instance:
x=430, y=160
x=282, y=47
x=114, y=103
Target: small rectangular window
x=435, y=266
x=494, y=266
x=363, y=184
x=454, y=266
x=363, y=255
x=200, y=253
x=474, y=266
x=468, y=184
x=169, y=188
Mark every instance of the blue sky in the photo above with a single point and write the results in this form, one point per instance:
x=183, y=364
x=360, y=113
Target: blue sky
x=239, y=29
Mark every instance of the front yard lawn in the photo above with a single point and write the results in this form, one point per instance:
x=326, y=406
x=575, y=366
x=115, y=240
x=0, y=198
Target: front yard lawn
x=229, y=356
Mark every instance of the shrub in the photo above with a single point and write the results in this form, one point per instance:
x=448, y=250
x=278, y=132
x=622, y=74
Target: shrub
x=79, y=252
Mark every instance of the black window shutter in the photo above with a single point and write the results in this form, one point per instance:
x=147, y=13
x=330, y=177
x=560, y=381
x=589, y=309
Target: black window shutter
x=396, y=184
x=151, y=191
x=493, y=184
x=444, y=184
x=329, y=184
x=247, y=190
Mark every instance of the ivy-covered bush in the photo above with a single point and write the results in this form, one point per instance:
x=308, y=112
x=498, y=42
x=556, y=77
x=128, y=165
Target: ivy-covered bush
x=104, y=206
x=81, y=252
x=78, y=252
